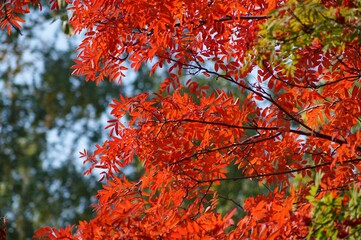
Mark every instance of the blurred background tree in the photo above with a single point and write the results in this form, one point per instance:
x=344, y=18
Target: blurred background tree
x=45, y=115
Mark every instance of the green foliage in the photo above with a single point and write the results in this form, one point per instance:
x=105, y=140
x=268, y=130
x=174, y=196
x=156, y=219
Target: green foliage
x=298, y=24
x=335, y=216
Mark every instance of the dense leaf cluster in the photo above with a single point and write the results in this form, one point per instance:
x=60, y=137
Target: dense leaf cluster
x=300, y=114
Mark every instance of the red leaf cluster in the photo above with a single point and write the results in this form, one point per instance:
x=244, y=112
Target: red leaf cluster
x=288, y=123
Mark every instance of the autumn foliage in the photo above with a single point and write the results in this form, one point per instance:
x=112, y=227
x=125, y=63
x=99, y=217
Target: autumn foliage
x=11, y=12
x=297, y=66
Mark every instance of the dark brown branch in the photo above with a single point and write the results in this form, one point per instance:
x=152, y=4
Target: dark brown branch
x=204, y=196
x=268, y=98
x=277, y=173
x=348, y=78
x=219, y=124
x=205, y=151
x=234, y=202
x=230, y=79
x=230, y=18
x=118, y=58
x=299, y=132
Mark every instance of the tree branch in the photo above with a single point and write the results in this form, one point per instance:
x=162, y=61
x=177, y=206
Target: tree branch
x=277, y=173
